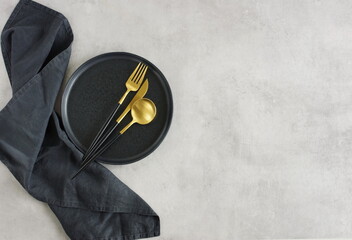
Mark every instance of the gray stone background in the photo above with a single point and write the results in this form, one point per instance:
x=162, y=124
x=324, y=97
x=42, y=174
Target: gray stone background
x=261, y=140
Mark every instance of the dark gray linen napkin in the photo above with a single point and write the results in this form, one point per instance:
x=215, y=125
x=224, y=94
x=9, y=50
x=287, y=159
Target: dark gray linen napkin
x=36, y=46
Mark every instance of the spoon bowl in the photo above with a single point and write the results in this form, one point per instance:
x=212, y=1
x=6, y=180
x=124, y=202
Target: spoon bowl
x=143, y=111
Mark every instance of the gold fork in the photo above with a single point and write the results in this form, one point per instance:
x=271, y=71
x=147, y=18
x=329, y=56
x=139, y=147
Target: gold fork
x=135, y=80
x=132, y=84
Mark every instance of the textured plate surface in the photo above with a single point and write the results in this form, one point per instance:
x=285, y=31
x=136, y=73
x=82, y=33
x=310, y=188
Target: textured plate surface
x=91, y=94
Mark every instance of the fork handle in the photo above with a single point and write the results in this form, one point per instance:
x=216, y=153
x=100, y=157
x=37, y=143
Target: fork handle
x=105, y=147
x=100, y=151
x=101, y=131
x=124, y=96
x=100, y=142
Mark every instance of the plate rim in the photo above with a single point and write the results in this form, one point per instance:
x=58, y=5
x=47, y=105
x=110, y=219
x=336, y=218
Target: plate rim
x=64, y=103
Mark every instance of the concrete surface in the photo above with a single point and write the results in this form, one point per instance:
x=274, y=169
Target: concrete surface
x=261, y=140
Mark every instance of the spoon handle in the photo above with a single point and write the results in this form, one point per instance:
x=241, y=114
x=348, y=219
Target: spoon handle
x=99, y=143
x=127, y=126
x=100, y=133
x=98, y=153
x=105, y=147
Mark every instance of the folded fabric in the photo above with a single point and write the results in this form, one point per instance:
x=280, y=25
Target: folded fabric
x=36, y=46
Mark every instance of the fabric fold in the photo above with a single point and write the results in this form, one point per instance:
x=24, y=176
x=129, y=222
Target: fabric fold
x=36, y=46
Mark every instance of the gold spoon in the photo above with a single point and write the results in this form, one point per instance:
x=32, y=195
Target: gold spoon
x=143, y=112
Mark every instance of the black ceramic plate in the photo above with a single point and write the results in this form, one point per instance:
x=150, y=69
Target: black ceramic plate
x=91, y=94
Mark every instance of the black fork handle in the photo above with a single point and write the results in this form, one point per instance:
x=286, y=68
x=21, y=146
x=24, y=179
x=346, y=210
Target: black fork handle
x=101, y=131
x=99, y=143
x=96, y=154
x=104, y=148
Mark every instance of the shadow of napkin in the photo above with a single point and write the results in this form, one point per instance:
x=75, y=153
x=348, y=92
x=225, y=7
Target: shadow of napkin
x=36, y=46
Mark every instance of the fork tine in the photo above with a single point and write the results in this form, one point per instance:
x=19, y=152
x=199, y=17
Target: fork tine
x=135, y=78
x=143, y=74
x=134, y=71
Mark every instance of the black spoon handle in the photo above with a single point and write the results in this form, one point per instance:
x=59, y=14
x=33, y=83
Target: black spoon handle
x=96, y=154
x=101, y=140
x=105, y=147
x=101, y=131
